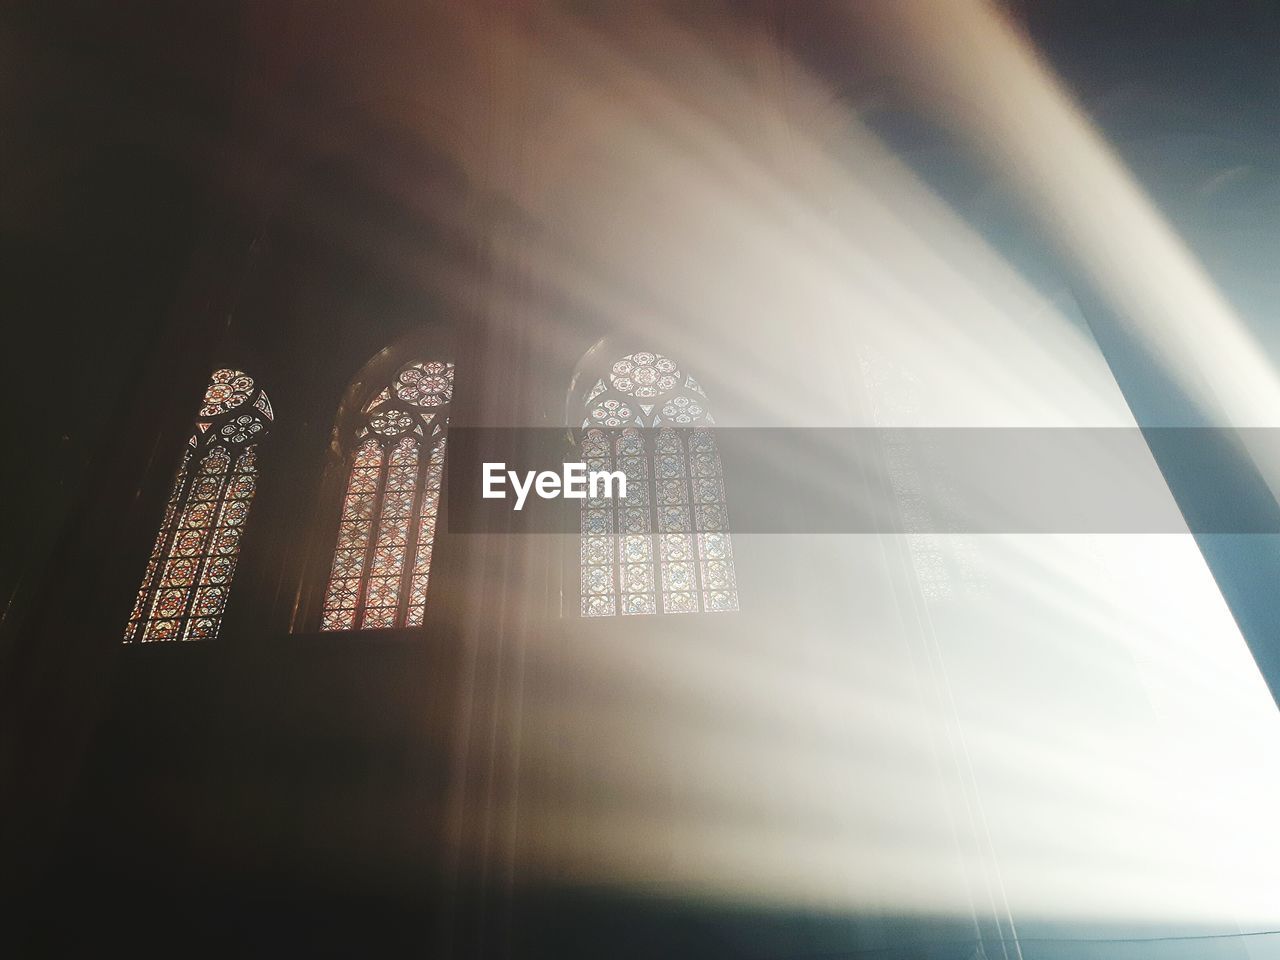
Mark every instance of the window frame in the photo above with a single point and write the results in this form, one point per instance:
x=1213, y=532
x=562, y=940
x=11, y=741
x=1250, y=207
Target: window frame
x=237, y=430
x=433, y=344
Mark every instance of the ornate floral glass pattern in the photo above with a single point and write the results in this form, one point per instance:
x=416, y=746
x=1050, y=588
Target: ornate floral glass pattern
x=227, y=390
x=382, y=562
x=188, y=575
x=426, y=385
x=666, y=548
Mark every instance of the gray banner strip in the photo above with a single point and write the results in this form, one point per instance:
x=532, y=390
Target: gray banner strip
x=865, y=480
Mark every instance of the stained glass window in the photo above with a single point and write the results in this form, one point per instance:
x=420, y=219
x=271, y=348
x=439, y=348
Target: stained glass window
x=382, y=561
x=193, y=560
x=666, y=548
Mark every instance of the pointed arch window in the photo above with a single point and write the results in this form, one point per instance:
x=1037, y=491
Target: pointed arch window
x=382, y=561
x=667, y=547
x=193, y=560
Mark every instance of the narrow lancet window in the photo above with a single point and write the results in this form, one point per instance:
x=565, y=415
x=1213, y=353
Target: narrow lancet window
x=193, y=560
x=382, y=562
x=666, y=548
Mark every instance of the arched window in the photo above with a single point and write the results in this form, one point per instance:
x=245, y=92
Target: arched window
x=666, y=548
x=193, y=560
x=382, y=561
